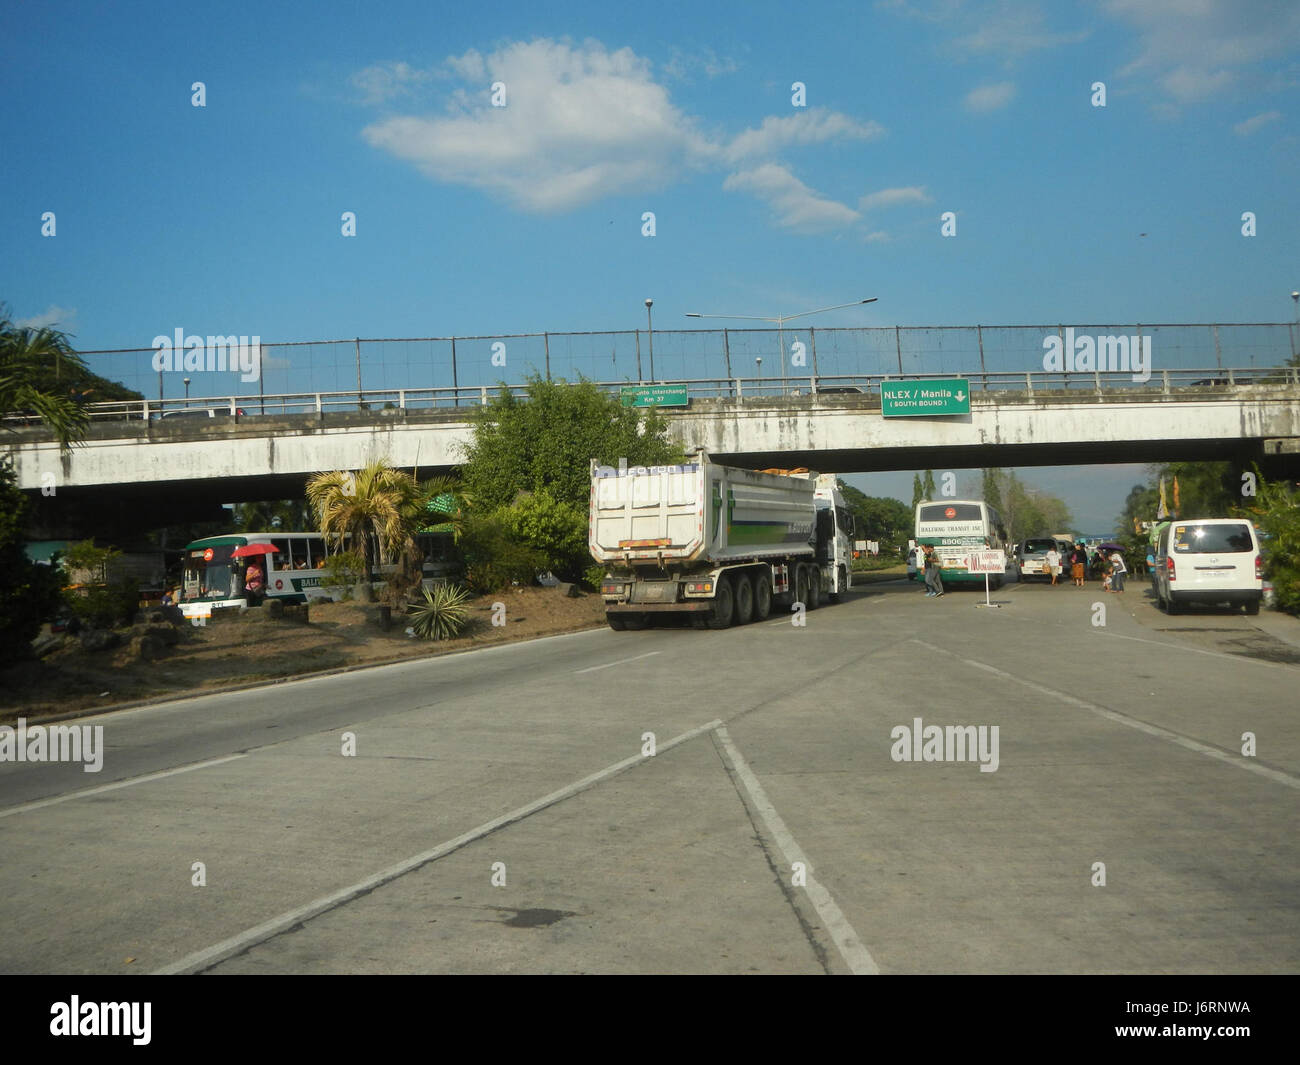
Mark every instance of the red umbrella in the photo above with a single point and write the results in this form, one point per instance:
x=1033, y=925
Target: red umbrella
x=254, y=549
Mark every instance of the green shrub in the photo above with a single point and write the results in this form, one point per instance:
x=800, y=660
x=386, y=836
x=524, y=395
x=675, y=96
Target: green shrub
x=443, y=615
x=555, y=530
x=494, y=558
x=99, y=596
x=594, y=575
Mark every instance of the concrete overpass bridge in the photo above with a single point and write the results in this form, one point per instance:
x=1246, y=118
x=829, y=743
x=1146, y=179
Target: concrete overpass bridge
x=138, y=467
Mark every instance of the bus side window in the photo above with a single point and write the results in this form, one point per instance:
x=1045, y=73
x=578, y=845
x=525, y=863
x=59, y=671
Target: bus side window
x=316, y=546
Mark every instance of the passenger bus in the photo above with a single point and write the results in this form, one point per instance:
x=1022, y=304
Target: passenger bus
x=956, y=527
x=212, y=579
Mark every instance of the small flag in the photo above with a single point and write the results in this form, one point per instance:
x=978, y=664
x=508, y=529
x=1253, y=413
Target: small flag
x=1137, y=529
x=1162, y=511
x=1177, y=508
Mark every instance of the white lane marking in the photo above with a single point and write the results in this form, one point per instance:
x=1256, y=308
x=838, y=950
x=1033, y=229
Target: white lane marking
x=851, y=947
x=37, y=804
x=620, y=662
x=1275, y=775
x=218, y=952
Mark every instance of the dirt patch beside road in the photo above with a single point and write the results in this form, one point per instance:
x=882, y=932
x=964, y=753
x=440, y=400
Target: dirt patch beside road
x=242, y=648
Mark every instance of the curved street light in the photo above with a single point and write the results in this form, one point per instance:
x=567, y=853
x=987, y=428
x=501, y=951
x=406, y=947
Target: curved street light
x=780, y=321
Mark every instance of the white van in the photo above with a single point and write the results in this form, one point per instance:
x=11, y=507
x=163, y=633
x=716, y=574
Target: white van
x=1209, y=560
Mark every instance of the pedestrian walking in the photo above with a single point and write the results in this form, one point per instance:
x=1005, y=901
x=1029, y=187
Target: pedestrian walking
x=933, y=579
x=1117, y=571
x=1054, y=564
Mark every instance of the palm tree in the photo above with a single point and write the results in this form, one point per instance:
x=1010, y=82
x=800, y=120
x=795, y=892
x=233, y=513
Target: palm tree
x=32, y=364
x=372, y=507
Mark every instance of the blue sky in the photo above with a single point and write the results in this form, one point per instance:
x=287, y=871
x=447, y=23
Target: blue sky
x=474, y=219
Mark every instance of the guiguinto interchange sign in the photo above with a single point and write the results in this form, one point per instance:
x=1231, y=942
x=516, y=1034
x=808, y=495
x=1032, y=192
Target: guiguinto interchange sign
x=914, y=399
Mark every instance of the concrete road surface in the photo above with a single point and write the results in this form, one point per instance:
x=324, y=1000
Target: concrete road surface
x=503, y=811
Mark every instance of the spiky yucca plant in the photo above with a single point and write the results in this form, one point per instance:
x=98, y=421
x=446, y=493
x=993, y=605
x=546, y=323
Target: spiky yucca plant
x=443, y=615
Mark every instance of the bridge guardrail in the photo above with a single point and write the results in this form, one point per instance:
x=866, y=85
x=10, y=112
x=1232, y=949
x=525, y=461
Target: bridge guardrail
x=1207, y=381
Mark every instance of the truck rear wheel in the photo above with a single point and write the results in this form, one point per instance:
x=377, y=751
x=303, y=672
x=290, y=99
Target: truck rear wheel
x=615, y=622
x=724, y=605
x=812, y=588
x=744, y=600
x=636, y=621
x=762, y=596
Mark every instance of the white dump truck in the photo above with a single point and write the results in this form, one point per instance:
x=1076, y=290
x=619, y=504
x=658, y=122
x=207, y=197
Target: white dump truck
x=723, y=545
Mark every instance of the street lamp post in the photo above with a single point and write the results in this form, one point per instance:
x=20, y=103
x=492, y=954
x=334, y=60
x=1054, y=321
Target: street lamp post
x=651, y=325
x=187, y=391
x=780, y=321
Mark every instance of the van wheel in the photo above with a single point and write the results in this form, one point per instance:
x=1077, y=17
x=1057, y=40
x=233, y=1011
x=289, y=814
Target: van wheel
x=744, y=600
x=1252, y=607
x=1172, y=608
x=762, y=596
x=724, y=605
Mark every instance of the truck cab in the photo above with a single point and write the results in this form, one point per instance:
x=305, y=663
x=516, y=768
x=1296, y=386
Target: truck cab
x=835, y=534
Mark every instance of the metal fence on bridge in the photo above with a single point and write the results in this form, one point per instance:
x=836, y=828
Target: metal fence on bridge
x=468, y=364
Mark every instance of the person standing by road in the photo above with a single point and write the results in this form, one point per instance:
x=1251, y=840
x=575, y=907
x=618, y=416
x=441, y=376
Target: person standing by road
x=1078, y=564
x=933, y=580
x=1054, y=563
x=1117, y=571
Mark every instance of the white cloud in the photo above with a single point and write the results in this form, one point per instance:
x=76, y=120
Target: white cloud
x=61, y=318
x=813, y=127
x=795, y=205
x=1199, y=49
x=582, y=122
x=579, y=123
x=683, y=63
x=1007, y=29
x=987, y=98
x=893, y=197
x=385, y=81
x=1012, y=29
x=1255, y=123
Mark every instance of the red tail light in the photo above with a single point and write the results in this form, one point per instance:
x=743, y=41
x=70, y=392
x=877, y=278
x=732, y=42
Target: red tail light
x=1169, y=568
x=1259, y=568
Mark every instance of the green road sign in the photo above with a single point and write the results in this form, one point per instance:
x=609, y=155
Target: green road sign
x=915, y=399
x=655, y=396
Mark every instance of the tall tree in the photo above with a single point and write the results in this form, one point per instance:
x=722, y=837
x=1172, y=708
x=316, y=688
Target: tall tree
x=927, y=486
x=547, y=440
x=991, y=491
x=878, y=518
x=918, y=493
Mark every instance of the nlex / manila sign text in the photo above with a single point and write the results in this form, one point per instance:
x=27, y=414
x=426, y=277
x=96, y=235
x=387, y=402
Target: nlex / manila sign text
x=915, y=399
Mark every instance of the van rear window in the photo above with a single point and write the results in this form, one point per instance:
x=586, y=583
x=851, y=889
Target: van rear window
x=1032, y=546
x=1213, y=539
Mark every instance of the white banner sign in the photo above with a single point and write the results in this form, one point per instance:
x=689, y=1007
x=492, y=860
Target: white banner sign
x=987, y=562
